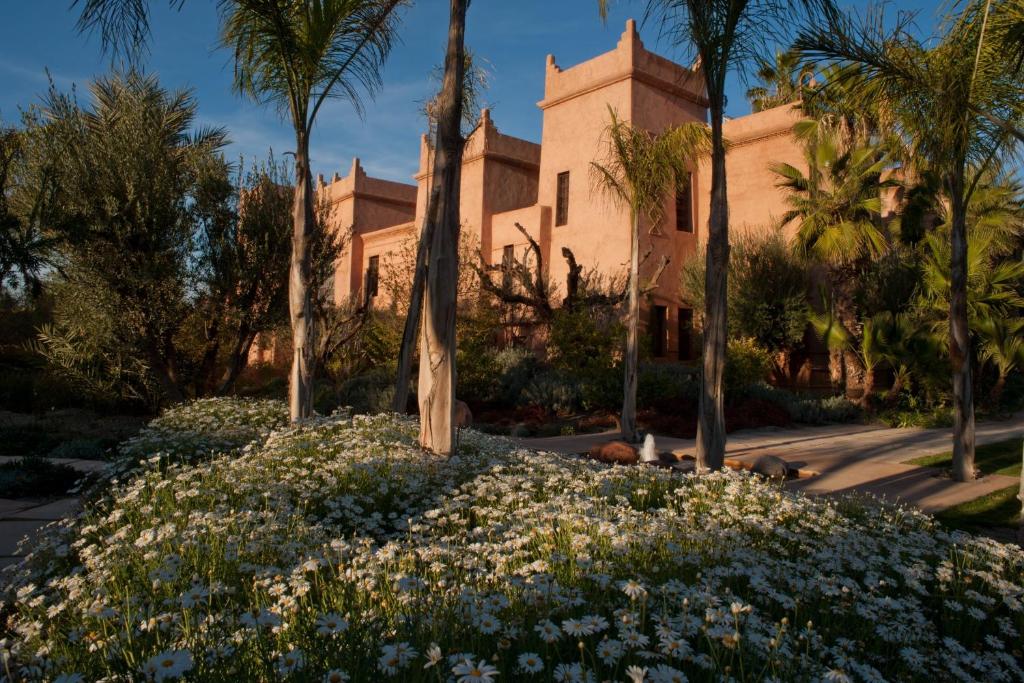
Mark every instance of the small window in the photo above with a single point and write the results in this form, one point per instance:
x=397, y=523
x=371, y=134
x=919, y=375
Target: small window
x=508, y=257
x=685, y=334
x=684, y=205
x=658, y=329
x=372, y=276
x=562, y=202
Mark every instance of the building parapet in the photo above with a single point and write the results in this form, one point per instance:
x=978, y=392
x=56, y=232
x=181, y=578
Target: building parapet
x=358, y=184
x=763, y=124
x=629, y=59
x=486, y=141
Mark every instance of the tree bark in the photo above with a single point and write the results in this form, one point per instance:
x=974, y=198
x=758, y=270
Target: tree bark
x=238, y=359
x=437, y=375
x=711, y=408
x=628, y=421
x=959, y=336
x=300, y=302
x=400, y=402
x=868, y=387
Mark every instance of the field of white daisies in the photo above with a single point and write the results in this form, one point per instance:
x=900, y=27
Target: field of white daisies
x=230, y=547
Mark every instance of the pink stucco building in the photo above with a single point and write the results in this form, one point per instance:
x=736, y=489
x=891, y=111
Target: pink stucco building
x=548, y=187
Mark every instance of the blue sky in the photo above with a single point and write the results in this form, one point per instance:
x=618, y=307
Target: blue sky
x=512, y=36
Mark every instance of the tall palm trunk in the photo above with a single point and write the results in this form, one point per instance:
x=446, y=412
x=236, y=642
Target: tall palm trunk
x=400, y=401
x=437, y=357
x=300, y=303
x=632, y=351
x=959, y=335
x=711, y=409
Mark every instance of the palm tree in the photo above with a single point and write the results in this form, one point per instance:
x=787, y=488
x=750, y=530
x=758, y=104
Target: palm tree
x=297, y=55
x=780, y=87
x=836, y=206
x=946, y=100
x=725, y=35
x=1002, y=344
x=436, y=390
x=639, y=171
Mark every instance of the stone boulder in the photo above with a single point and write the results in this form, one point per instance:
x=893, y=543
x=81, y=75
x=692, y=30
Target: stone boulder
x=771, y=467
x=463, y=415
x=616, y=453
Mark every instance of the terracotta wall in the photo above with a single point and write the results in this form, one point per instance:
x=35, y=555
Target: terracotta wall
x=755, y=142
x=507, y=180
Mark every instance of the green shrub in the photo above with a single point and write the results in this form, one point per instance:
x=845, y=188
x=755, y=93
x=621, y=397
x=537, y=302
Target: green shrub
x=555, y=392
x=746, y=364
x=664, y=385
x=808, y=410
x=36, y=477
x=516, y=367
x=583, y=342
x=767, y=298
x=368, y=392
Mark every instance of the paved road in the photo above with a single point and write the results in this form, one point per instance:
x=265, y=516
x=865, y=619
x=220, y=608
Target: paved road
x=845, y=458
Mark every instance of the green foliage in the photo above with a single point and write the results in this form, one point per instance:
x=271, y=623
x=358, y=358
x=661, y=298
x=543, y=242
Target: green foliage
x=583, y=343
x=889, y=283
x=664, y=386
x=836, y=205
x=783, y=80
x=36, y=477
x=555, y=392
x=369, y=392
x=767, y=291
x=746, y=364
x=809, y=410
x=767, y=295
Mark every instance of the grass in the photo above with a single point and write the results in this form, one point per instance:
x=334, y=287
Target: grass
x=1002, y=457
x=998, y=509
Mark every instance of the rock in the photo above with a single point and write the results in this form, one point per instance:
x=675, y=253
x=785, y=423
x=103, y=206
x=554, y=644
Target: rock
x=771, y=466
x=615, y=452
x=463, y=415
x=648, y=452
x=667, y=458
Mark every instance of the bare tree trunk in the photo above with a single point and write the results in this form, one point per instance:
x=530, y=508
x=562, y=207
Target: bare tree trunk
x=711, y=409
x=238, y=359
x=632, y=324
x=959, y=337
x=300, y=303
x=400, y=402
x=437, y=343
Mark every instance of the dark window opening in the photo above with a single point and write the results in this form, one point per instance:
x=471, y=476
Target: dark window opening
x=659, y=315
x=685, y=334
x=508, y=256
x=562, y=201
x=684, y=205
x=372, y=276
